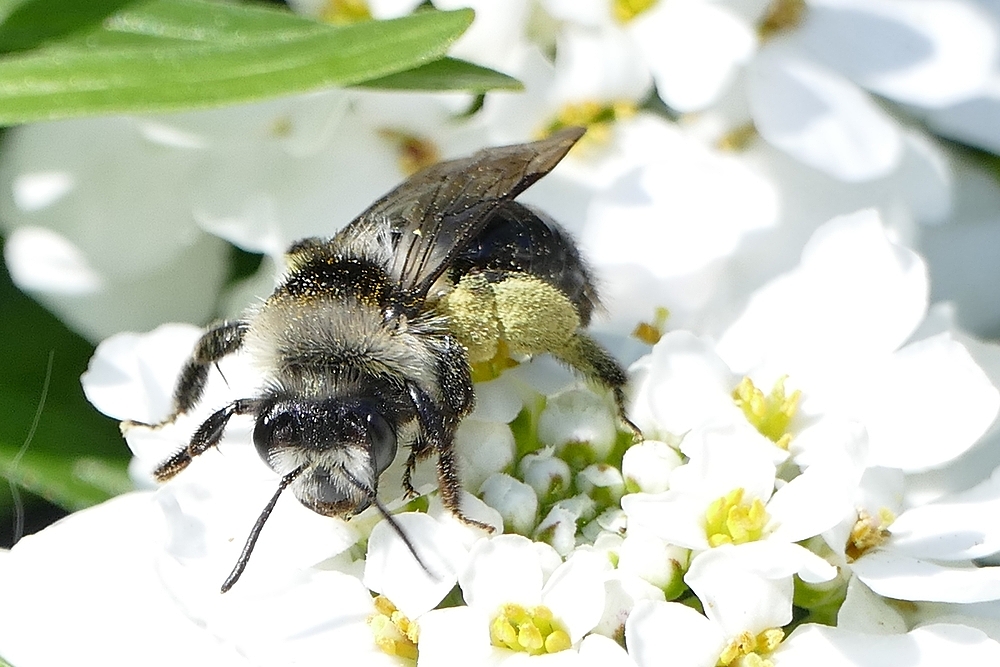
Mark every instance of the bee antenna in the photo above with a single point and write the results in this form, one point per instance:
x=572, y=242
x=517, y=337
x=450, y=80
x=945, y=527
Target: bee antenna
x=244, y=558
x=390, y=519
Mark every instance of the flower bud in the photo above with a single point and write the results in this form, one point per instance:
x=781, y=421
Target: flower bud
x=515, y=500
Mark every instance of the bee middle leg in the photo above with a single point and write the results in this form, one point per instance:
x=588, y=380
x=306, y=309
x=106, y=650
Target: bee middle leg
x=216, y=343
x=439, y=430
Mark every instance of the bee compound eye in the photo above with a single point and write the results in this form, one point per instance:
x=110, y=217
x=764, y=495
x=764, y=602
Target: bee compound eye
x=276, y=428
x=383, y=440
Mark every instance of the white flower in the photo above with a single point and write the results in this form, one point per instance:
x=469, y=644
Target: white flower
x=923, y=404
x=513, y=583
x=726, y=494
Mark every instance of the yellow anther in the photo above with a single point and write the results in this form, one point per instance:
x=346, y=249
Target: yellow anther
x=651, y=332
x=728, y=520
x=413, y=152
x=597, y=117
x=737, y=139
x=626, y=10
x=747, y=649
x=530, y=630
x=868, y=533
x=781, y=15
x=393, y=632
x=770, y=414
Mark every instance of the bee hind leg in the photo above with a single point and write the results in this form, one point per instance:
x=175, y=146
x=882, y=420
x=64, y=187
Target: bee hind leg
x=585, y=355
x=216, y=343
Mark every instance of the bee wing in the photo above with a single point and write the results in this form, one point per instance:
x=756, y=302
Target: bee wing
x=435, y=212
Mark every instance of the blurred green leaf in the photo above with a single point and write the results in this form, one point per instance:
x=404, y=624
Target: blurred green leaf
x=160, y=55
x=447, y=74
x=75, y=456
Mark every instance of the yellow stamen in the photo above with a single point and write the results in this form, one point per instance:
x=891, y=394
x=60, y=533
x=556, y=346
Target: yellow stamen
x=738, y=139
x=782, y=15
x=868, y=533
x=530, y=630
x=651, y=332
x=747, y=650
x=394, y=633
x=729, y=520
x=627, y=10
x=597, y=117
x=769, y=414
x=413, y=152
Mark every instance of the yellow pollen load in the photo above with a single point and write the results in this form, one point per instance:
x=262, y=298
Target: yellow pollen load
x=747, y=650
x=413, y=152
x=729, y=520
x=530, y=630
x=868, y=533
x=770, y=414
x=781, y=15
x=597, y=117
x=345, y=12
x=626, y=10
x=394, y=633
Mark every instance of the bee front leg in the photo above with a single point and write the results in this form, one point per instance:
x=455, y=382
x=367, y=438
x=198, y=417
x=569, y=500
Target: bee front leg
x=207, y=436
x=216, y=343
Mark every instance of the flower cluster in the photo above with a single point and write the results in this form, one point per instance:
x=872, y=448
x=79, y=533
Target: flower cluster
x=818, y=474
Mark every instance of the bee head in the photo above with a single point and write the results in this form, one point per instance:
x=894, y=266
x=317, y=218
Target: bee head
x=341, y=445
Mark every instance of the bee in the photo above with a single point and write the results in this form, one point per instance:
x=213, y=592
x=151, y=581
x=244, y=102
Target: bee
x=368, y=341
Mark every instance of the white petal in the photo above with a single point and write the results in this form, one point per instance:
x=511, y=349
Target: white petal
x=598, y=66
x=659, y=633
x=813, y=502
x=497, y=401
x=107, y=598
x=693, y=50
x=390, y=568
x=516, y=501
x=959, y=527
x=448, y=633
x=819, y=305
x=575, y=592
x=40, y=259
x=672, y=201
x=903, y=578
x=483, y=448
x=684, y=385
x=600, y=651
x=928, y=646
x=863, y=611
x=821, y=119
x=647, y=465
x=502, y=569
x=926, y=52
x=749, y=586
x=673, y=517
x=929, y=404
x=131, y=376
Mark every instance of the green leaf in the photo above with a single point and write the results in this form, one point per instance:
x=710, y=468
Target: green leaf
x=162, y=55
x=447, y=74
x=74, y=456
